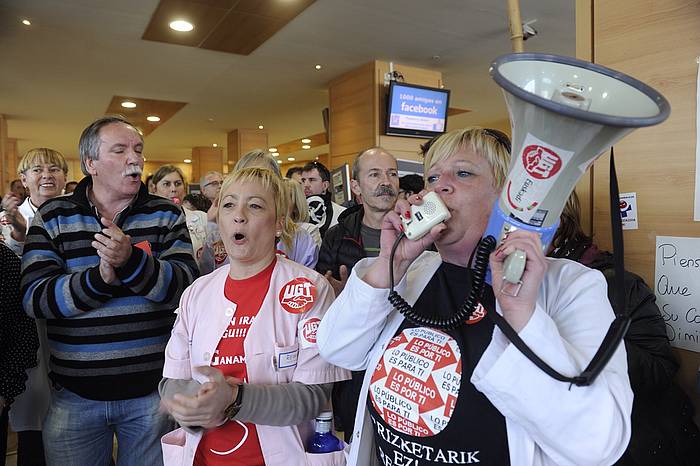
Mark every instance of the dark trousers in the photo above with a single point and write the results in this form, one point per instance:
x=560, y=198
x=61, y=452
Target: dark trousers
x=3, y=437
x=30, y=447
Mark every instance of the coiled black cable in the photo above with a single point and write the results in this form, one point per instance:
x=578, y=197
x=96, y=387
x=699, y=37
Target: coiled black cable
x=481, y=262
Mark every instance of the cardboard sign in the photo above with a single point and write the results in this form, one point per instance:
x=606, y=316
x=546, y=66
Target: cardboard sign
x=677, y=287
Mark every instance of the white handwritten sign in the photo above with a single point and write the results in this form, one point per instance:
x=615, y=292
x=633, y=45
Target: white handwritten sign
x=677, y=289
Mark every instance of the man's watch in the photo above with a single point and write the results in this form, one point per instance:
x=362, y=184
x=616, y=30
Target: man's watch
x=232, y=409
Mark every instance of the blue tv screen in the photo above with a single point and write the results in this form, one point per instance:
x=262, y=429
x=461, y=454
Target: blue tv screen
x=416, y=111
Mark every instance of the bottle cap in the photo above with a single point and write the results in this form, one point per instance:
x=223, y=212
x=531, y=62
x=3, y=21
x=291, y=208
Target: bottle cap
x=325, y=416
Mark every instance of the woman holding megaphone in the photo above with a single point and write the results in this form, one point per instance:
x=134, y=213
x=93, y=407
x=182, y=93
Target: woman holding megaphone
x=462, y=393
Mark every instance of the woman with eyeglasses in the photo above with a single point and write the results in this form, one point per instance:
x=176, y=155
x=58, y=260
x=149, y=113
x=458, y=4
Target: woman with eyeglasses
x=434, y=395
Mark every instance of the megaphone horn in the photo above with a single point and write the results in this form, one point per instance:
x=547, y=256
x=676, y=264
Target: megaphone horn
x=564, y=113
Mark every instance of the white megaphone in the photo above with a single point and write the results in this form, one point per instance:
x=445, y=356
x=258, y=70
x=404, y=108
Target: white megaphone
x=564, y=113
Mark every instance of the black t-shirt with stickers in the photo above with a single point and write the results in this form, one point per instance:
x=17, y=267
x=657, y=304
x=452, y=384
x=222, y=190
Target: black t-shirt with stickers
x=423, y=407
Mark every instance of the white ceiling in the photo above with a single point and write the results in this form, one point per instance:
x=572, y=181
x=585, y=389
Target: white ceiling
x=61, y=72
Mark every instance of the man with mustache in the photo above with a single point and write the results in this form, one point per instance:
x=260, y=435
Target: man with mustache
x=375, y=180
x=106, y=267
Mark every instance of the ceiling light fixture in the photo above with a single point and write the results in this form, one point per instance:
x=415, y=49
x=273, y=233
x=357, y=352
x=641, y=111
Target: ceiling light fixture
x=279, y=161
x=181, y=25
x=153, y=118
x=275, y=154
x=272, y=149
x=291, y=159
x=26, y=22
x=215, y=145
x=306, y=141
x=318, y=67
x=128, y=104
x=261, y=127
x=306, y=146
x=187, y=161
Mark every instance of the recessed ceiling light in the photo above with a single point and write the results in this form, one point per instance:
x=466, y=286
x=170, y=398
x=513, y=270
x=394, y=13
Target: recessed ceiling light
x=318, y=67
x=272, y=149
x=128, y=104
x=144, y=159
x=278, y=161
x=181, y=25
x=275, y=154
x=306, y=146
x=291, y=159
x=210, y=120
x=215, y=145
x=187, y=161
x=306, y=141
x=261, y=127
x=26, y=22
x=153, y=118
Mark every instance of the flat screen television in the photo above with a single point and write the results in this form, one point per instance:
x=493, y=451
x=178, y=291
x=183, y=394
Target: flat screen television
x=416, y=111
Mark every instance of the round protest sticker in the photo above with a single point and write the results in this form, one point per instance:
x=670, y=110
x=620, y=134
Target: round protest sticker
x=307, y=331
x=478, y=314
x=298, y=295
x=415, y=385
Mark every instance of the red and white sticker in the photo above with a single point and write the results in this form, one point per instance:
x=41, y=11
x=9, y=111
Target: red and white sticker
x=541, y=162
x=532, y=177
x=416, y=383
x=307, y=329
x=478, y=314
x=298, y=295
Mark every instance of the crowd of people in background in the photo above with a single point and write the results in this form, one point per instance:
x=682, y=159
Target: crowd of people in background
x=199, y=325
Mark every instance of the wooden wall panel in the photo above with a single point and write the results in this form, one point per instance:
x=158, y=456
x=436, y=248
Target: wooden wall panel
x=656, y=42
x=353, y=106
x=206, y=159
x=11, y=158
x=357, y=111
x=240, y=141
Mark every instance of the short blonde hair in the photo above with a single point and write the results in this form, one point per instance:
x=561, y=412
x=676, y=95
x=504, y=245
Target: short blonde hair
x=41, y=155
x=269, y=182
x=258, y=158
x=483, y=141
x=300, y=208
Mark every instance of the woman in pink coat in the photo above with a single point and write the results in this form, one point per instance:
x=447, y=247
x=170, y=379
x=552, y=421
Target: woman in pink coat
x=242, y=374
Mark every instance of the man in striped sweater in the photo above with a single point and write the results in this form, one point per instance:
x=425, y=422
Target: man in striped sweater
x=106, y=267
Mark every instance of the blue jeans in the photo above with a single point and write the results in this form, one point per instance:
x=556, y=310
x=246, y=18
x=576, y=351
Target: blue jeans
x=79, y=432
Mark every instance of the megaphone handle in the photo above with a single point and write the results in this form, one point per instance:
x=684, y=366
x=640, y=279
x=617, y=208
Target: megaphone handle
x=514, y=266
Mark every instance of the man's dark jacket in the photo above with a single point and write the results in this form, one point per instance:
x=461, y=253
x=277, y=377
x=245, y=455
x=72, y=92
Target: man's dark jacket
x=342, y=244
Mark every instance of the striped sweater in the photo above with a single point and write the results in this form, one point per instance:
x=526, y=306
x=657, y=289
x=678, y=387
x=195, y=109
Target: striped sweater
x=106, y=342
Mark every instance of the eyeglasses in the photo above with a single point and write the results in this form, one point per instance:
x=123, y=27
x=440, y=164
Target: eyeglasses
x=216, y=184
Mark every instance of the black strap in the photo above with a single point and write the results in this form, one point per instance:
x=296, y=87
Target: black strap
x=619, y=297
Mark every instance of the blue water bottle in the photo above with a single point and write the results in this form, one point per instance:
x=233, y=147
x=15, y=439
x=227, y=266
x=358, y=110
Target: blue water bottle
x=323, y=440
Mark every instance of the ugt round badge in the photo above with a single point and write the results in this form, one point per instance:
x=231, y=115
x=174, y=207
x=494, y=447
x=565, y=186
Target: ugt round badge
x=298, y=295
